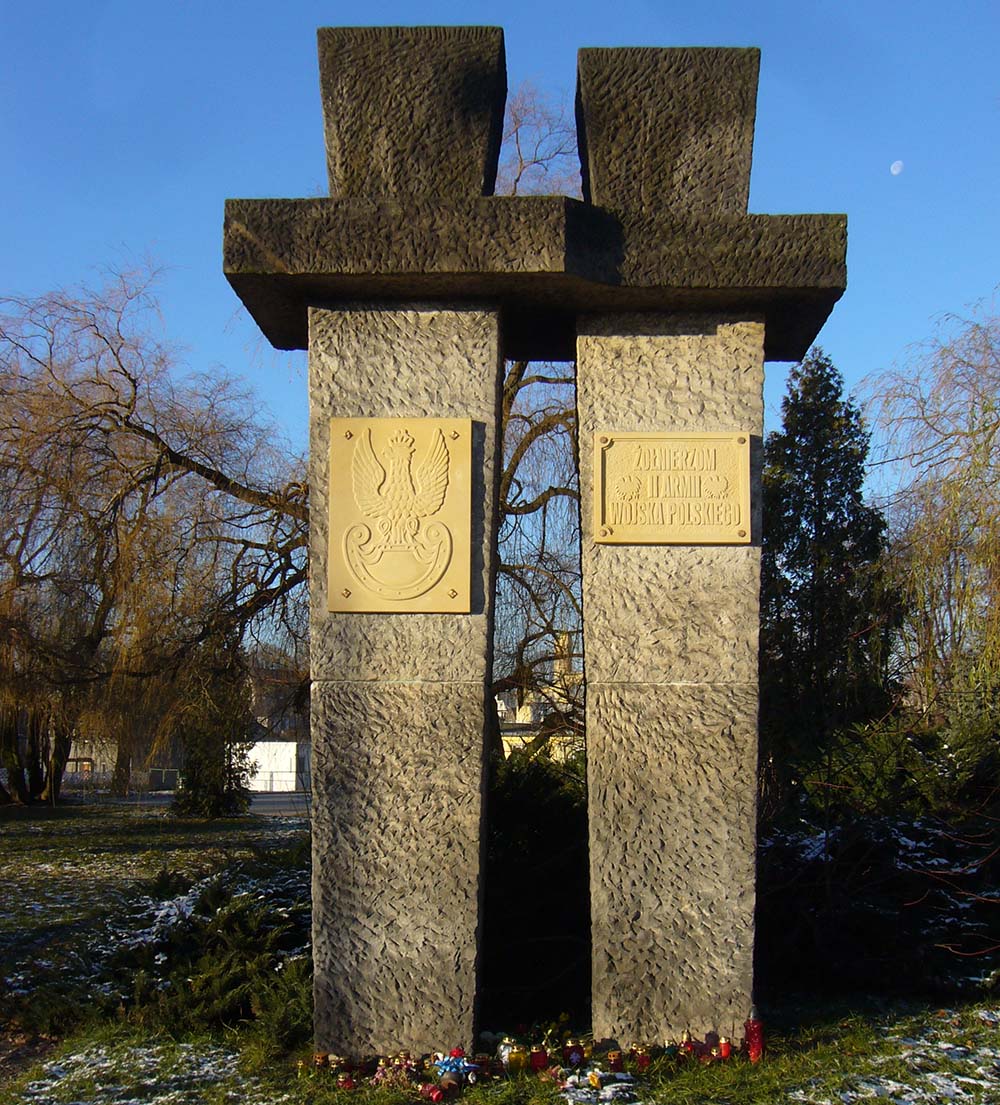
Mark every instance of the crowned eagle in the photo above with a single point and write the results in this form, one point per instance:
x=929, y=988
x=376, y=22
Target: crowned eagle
x=395, y=496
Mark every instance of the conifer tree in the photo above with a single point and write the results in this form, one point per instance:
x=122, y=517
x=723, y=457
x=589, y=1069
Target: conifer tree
x=822, y=635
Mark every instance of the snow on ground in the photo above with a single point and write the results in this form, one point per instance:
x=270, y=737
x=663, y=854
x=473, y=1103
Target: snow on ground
x=88, y=907
x=948, y=1057
x=88, y=956
x=61, y=873
x=158, y=1074
x=933, y=878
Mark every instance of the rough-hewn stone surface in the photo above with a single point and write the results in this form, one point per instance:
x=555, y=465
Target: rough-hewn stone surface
x=672, y=372
x=412, y=111
x=412, y=128
x=667, y=129
x=384, y=363
x=531, y=235
x=396, y=827
x=671, y=793
x=399, y=701
x=399, y=708
x=542, y=258
x=670, y=636
x=673, y=625
x=364, y=237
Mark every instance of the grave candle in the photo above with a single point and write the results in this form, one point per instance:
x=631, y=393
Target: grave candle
x=572, y=1053
x=754, y=1029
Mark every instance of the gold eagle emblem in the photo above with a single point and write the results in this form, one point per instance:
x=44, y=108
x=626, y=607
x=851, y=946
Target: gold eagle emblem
x=401, y=555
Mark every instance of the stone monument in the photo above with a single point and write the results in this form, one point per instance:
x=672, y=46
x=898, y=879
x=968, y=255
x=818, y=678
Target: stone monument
x=409, y=285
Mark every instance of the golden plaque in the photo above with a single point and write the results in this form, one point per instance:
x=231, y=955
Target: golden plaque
x=671, y=489
x=400, y=515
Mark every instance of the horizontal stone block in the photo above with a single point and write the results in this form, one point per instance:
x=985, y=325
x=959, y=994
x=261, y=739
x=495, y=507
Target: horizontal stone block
x=397, y=784
x=545, y=259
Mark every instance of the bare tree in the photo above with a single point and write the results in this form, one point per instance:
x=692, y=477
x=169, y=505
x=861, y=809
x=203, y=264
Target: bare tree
x=149, y=513
x=144, y=514
x=538, y=600
x=538, y=155
x=940, y=412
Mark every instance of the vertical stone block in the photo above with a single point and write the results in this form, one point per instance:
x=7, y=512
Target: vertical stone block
x=398, y=708
x=670, y=636
x=412, y=112
x=667, y=130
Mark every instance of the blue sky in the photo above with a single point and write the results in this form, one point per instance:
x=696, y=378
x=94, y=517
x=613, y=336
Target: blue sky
x=124, y=125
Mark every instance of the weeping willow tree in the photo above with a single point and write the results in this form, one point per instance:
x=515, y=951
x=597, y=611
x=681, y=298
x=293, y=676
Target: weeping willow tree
x=145, y=512
x=939, y=422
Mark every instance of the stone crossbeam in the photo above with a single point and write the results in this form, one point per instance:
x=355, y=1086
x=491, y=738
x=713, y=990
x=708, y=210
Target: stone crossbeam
x=543, y=259
x=412, y=131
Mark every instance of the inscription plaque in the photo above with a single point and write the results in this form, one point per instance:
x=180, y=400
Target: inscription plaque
x=400, y=515
x=671, y=489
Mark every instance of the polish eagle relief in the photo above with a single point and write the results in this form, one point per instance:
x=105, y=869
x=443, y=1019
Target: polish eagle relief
x=399, y=551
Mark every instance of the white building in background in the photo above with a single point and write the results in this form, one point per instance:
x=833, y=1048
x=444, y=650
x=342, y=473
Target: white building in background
x=280, y=765
x=280, y=730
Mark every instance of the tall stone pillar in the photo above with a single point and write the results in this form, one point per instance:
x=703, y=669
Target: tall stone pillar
x=671, y=647
x=403, y=481
x=671, y=560
x=399, y=701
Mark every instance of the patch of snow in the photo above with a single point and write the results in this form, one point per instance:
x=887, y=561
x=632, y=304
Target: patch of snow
x=945, y=1086
x=170, y=913
x=156, y=1075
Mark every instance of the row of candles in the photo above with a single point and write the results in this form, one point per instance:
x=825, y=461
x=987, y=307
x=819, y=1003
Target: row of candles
x=513, y=1058
x=517, y=1059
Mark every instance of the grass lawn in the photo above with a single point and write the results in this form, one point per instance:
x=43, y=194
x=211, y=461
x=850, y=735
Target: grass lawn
x=68, y=867
x=150, y=961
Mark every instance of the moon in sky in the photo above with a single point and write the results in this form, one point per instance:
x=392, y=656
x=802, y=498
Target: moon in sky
x=896, y=168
